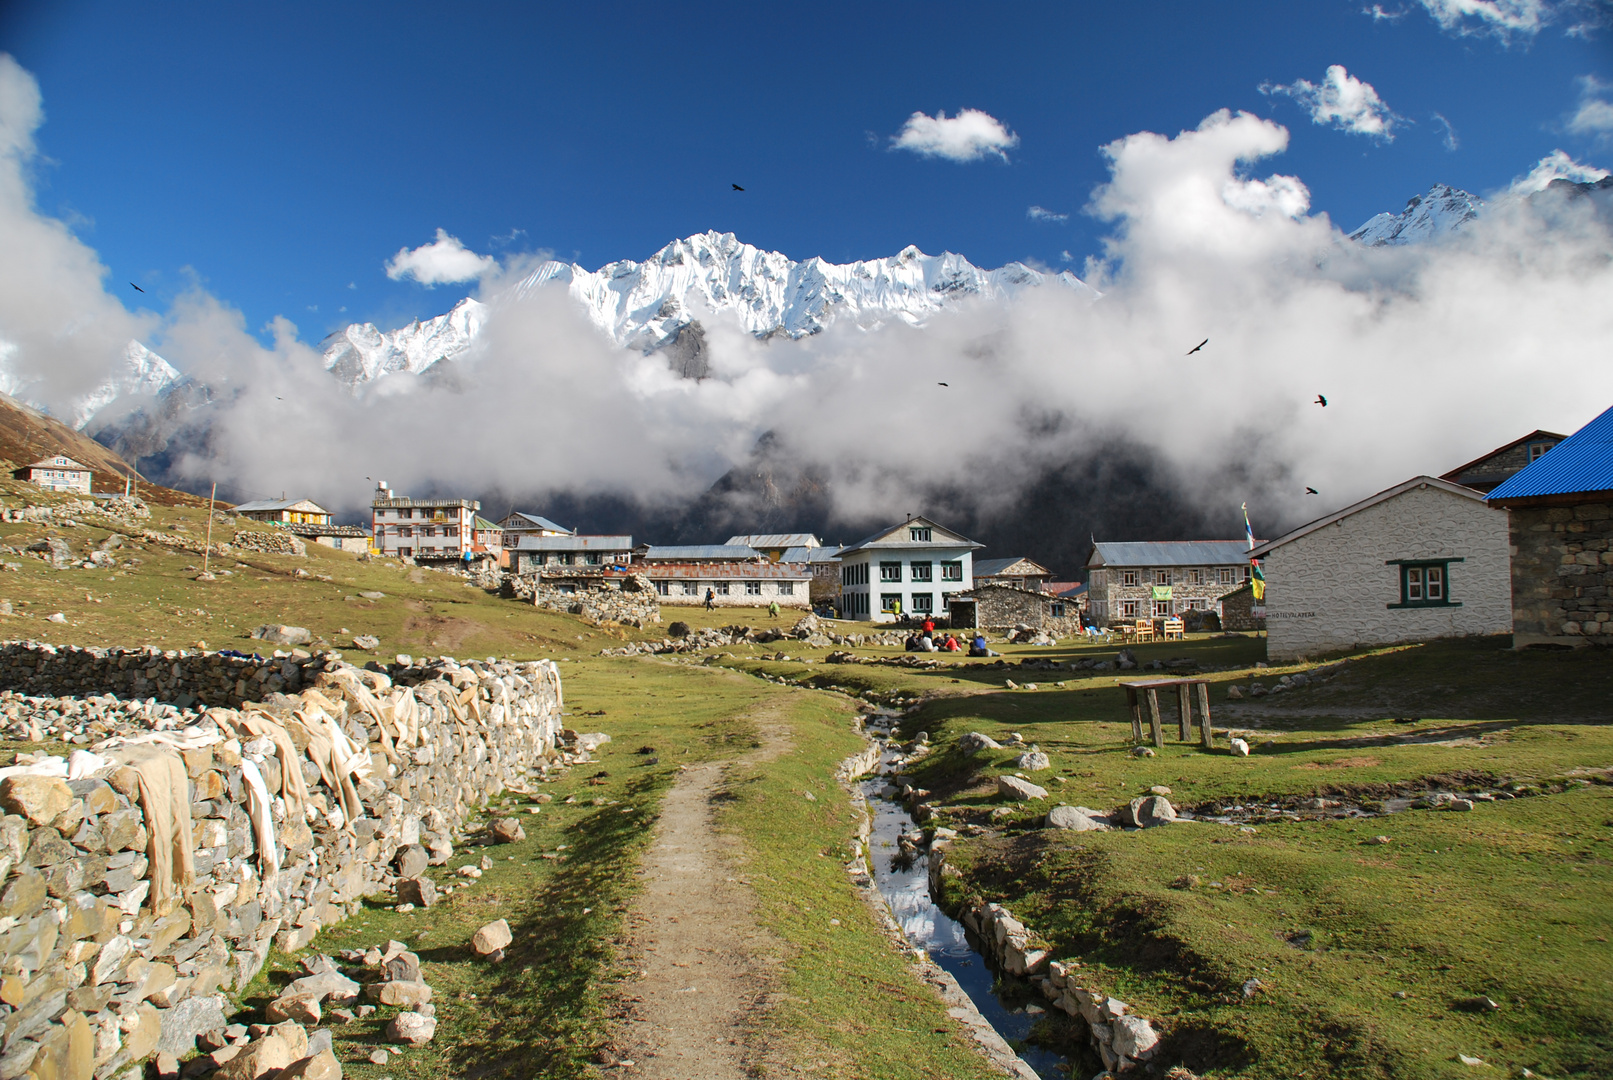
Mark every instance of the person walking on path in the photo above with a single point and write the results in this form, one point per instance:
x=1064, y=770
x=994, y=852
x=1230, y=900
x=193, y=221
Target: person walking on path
x=710, y=596
x=772, y=609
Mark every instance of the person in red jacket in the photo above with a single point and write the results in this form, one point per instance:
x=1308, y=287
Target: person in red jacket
x=929, y=627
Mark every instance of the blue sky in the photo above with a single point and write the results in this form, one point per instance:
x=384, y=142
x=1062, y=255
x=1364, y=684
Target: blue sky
x=282, y=153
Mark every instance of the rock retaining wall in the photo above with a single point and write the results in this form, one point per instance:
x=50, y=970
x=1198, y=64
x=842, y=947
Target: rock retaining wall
x=628, y=600
x=188, y=842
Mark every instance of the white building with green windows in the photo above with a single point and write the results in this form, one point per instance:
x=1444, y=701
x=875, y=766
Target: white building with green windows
x=908, y=569
x=1421, y=560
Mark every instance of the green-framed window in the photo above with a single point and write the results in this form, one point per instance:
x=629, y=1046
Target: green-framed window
x=1424, y=582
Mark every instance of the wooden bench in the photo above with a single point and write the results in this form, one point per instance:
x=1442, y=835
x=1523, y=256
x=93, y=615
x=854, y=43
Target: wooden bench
x=1175, y=630
x=1150, y=688
x=1141, y=630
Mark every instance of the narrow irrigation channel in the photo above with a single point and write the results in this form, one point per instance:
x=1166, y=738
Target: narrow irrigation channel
x=902, y=880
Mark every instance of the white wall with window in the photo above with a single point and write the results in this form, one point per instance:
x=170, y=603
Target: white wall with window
x=908, y=569
x=1422, y=560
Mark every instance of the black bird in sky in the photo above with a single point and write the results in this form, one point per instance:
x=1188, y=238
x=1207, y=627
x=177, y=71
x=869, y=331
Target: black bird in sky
x=1312, y=491
x=1197, y=347
x=1322, y=401
x=135, y=287
x=941, y=384
x=736, y=187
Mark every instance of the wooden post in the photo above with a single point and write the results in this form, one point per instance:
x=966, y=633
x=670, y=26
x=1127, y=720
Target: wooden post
x=1136, y=715
x=1153, y=719
x=1206, y=737
x=207, y=549
x=1184, y=707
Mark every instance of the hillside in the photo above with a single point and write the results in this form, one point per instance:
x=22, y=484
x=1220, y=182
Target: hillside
x=27, y=435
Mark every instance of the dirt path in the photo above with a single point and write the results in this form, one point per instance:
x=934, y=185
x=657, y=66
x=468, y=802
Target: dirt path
x=702, y=962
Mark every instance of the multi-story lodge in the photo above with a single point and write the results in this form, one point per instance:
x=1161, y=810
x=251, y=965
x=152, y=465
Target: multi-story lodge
x=909, y=569
x=422, y=529
x=531, y=552
x=1148, y=579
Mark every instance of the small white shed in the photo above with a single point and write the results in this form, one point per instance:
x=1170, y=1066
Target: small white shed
x=1425, y=559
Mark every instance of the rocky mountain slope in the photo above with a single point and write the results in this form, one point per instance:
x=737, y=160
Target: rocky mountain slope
x=1427, y=218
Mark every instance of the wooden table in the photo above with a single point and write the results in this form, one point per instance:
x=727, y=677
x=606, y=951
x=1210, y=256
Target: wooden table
x=1184, y=692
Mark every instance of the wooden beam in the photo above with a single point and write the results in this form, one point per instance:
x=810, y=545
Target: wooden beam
x=1184, y=709
x=1206, y=736
x=1154, y=727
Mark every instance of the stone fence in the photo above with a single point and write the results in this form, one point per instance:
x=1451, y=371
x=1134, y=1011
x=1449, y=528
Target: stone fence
x=629, y=600
x=156, y=866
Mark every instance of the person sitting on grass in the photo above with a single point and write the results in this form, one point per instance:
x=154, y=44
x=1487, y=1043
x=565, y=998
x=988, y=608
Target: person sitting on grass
x=950, y=644
x=977, y=647
x=926, y=643
x=912, y=643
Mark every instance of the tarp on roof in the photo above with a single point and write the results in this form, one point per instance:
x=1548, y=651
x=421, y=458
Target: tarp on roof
x=700, y=553
x=1170, y=553
x=1582, y=462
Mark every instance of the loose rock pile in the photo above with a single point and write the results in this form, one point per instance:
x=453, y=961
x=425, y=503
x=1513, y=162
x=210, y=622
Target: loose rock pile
x=629, y=600
x=275, y=542
x=187, y=843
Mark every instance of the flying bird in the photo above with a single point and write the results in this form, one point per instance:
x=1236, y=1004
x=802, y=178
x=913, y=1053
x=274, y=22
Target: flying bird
x=736, y=187
x=941, y=384
x=1312, y=491
x=1197, y=347
x=1322, y=401
x=135, y=287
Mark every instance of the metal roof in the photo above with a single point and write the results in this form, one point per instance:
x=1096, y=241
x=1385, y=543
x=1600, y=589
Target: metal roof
x=1355, y=508
x=727, y=571
x=1538, y=435
x=573, y=543
x=774, y=540
x=58, y=461
x=985, y=568
x=1582, y=462
x=264, y=505
x=700, y=552
x=537, y=523
x=811, y=554
x=878, y=540
x=1170, y=553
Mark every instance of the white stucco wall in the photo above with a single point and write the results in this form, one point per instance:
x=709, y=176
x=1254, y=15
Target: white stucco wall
x=1330, y=589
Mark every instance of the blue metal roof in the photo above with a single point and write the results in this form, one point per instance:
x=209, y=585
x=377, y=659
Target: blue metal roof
x=1581, y=462
x=1171, y=553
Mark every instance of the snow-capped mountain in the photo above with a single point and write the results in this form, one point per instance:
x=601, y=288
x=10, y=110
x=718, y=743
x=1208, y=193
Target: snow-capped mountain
x=142, y=372
x=1426, y=218
x=648, y=305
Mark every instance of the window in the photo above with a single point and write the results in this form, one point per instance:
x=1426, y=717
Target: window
x=664, y=588
x=786, y=588
x=854, y=574
x=923, y=603
x=721, y=588
x=753, y=588
x=1057, y=610
x=919, y=535
x=890, y=601
x=406, y=513
x=691, y=588
x=1246, y=573
x=406, y=551
x=1198, y=605
x=890, y=571
x=921, y=571
x=1128, y=609
x=1162, y=577
x=1538, y=449
x=1226, y=575
x=404, y=530
x=1162, y=608
x=1425, y=584
x=952, y=571
x=1128, y=577
x=1195, y=577
x=592, y=558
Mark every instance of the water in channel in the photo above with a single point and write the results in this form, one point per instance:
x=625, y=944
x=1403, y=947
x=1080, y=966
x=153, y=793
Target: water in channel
x=929, y=928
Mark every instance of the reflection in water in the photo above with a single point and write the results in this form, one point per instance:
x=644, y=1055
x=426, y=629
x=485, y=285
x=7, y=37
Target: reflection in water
x=904, y=883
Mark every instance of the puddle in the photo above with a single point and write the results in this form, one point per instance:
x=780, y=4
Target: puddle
x=904, y=884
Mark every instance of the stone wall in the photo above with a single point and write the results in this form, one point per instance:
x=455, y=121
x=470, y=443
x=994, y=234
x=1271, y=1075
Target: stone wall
x=1002, y=607
x=1332, y=589
x=1237, y=611
x=1562, y=574
x=106, y=956
x=628, y=600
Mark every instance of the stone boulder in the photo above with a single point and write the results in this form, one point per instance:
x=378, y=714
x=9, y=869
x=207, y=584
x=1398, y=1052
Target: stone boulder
x=367, y=642
x=411, y=860
x=319, y=1066
x=40, y=799
x=419, y=891
x=495, y=937
x=974, y=742
x=1077, y=819
x=1032, y=761
x=283, y=635
x=411, y=1028
x=507, y=831
x=1239, y=748
x=1012, y=787
x=1148, y=811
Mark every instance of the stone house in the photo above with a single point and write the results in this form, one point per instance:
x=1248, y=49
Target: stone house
x=57, y=473
x=430, y=530
x=913, y=568
x=285, y=511
x=528, y=552
x=824, y=562
x=1560, y=520
x=732, y=583
x=1485, y=473
x=597, y=594
x=349, y=538
x=1424, y=559
x=1003, y=607
x=1238, y=610
x=1157, y=579
x=1018, y=571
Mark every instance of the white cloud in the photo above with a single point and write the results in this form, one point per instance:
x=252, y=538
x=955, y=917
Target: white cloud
x=1595, y=114
x=443, y=261
x=1341, y=100
x=1502, y=18
x=1555, y=165
x=969, y=136
x=1377, y=14
x=1448, y=140
x=1065, y=256
x=1038, y=213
